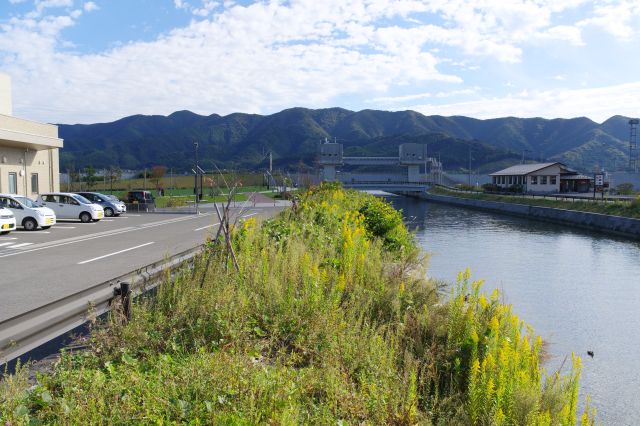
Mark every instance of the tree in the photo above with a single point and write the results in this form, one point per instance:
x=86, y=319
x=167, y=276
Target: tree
x=625, y=188
x=157, y=172
x=114, y=175
x=90, y=176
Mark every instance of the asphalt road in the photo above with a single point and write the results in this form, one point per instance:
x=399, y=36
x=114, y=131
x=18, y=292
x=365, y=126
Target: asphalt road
x=39, y=267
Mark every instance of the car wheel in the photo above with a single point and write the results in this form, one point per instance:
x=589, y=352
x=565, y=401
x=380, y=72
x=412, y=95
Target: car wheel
x=85, y=217
x=108, y=212
x=4, y=232
x=46, y=227
x=30, y=224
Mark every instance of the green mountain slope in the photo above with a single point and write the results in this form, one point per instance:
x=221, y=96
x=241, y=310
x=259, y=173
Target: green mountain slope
x=293, y=135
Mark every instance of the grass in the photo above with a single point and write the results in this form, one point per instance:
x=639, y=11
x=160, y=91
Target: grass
x=329, y=321
x=180, y=201
x=616, y=208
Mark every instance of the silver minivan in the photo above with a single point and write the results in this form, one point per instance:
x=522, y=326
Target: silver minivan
x=71, y=206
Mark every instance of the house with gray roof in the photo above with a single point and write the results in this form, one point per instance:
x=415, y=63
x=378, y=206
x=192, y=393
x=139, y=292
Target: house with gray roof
x=541, y=178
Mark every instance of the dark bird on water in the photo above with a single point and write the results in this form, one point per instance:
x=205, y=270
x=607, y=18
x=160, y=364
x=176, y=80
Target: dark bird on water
x=590, y=353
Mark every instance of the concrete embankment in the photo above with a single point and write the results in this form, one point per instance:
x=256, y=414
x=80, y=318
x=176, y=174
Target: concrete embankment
x=617, y=225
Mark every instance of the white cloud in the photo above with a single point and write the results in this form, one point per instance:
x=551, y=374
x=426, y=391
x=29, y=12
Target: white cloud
x=180, y=4
x=272, y=54
x=90, y=6
x=615, y=17
x=596, y=103
x=41, y=5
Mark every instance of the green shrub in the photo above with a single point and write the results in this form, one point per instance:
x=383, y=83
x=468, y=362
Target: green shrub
x=324, y=324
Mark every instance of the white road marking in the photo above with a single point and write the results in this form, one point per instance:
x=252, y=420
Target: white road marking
x=205, y=227
x=105, y=234
x=20, y=245
x=113, y=254
x=5, y=244
x=65, y=227
x=107, y=220
x=249, y=215
x=134, y=215
x=9, y=238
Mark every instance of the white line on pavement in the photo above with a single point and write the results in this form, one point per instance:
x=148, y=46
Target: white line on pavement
x=248, y=215
x=65, y=227
x=205, y=227
x=21, y=245
x=103, y=234
x=113, y=254
x=5, y=244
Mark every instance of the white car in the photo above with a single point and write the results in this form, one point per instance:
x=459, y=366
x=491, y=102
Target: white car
x=7, y=221
x=27, y=212
x=71, y=206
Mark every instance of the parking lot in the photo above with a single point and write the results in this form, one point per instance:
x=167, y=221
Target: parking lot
x=37, y=267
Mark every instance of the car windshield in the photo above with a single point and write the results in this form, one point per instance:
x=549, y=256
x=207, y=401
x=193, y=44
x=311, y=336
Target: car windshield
x=26, y=202
x=81, y=199
x=113, y=198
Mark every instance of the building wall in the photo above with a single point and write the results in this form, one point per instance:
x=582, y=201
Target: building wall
x=540, y=175
x=44, y=163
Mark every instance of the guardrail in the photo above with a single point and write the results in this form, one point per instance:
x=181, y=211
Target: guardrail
x=29, y=330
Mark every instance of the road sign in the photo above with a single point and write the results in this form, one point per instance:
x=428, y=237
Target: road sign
x=599, y=180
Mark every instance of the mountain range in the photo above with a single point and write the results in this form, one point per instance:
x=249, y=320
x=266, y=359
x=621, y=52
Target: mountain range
x=242, y=141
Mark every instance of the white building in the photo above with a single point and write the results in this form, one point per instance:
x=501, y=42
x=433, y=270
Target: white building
x=28, y=151
x=541, y=178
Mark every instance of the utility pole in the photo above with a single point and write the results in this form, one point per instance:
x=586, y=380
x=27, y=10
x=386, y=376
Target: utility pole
x=144, y=184
x=469, y=167
x=270, y=161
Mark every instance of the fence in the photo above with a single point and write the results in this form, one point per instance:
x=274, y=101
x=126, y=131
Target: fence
x=587, y=197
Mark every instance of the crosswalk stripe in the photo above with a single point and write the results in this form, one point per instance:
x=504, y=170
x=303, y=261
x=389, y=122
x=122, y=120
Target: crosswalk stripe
x=5, y=244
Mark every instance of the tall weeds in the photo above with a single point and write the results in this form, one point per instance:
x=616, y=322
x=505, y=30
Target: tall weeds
x=329, y=319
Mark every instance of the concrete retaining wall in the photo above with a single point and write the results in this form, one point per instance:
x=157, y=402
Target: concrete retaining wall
x=617, y=225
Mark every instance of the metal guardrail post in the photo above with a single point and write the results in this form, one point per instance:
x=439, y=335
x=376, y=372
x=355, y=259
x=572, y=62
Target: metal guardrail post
x=124, y=291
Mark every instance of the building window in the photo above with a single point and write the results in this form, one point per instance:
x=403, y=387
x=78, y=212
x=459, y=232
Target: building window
x=543, y=180
x=13, y=183
x=552, y=180
x=34, y=183
x=534, y=180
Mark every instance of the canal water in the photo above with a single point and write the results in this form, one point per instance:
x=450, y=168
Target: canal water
x=579, y=290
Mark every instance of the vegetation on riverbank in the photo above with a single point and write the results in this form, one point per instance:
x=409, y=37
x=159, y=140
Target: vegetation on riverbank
x=329, y=320
x=616, y=208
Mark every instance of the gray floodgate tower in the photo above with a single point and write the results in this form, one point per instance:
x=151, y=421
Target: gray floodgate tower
x=411, y=156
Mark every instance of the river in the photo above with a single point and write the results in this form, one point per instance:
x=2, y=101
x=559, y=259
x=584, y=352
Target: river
x=579, y=290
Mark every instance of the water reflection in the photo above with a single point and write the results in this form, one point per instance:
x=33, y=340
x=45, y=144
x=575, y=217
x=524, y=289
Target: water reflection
x=580, y=290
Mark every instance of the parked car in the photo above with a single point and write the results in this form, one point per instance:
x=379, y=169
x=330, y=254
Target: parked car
x=140, y=197
x=111, y=207
x=71, y=206
x=27, y=212
x=7, y=221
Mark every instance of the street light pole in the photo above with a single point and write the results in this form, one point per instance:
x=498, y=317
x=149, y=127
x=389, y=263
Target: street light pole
x=196, y=181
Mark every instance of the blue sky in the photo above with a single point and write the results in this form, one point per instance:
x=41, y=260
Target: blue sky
x=77, y=61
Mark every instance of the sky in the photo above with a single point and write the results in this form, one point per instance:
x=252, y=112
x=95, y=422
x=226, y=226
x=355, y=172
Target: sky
x=77, y=61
